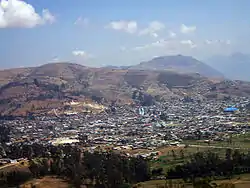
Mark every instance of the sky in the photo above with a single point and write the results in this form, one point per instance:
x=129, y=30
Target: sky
x=119, y=32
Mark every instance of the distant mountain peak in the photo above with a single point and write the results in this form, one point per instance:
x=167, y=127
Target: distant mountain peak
x=179, y=63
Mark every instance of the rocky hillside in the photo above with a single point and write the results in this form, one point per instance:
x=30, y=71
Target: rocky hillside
x=42, y=89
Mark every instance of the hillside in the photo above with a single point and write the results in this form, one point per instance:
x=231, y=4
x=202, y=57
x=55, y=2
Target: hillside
x=42, y=89
x=10, y=75
x=179, y=63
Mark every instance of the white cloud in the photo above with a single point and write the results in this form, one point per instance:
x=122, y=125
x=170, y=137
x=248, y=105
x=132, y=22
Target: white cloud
x=172, y=34
x=54, y=59
x=209, y=42
x=122, y=25
x=82, y=54
x=123, y=48
x=187, y=29
x=132, y=27
x=82, y=21
x=190, y=43
x=159, y=43
x=152, y=29
x=48, y=17
x=17, y=13
x=168, y=45
x=139, y=48
x=155, y=35
x=228, y=42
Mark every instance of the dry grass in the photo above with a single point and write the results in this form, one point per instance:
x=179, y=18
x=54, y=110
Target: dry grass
x=47, y=182
x=15, y=167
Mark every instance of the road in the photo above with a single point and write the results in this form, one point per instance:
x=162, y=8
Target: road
x=209, y=146
x=214, y=147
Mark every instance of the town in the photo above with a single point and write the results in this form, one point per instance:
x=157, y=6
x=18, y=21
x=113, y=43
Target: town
x=133, y=127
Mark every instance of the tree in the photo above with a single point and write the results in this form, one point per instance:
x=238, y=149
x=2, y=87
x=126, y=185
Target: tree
x=141, y=97
x=2, y=151
x=148, y=100
x=63, y=86
x=202, y=183
x=4, y=134
x=228, y=163
x=102, y=169
x=182, y=154
x=236, y=157
x=36, y=82
x=173, y=154
x=230, y=139
x=134, y=95
x=15, y=178
x=228, y=154
x=157, y=172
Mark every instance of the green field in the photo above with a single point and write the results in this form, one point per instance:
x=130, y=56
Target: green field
x=239, y=141
x=172, y=156
x=168, y=159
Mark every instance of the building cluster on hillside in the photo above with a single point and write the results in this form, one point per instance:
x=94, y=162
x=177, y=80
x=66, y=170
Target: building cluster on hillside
x=135, y=127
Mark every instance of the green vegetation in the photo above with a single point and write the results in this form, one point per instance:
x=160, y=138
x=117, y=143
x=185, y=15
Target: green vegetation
x=183, y=167
x=211, y=168
x=179, y=156
x=98, y=169
x=240, y=141
x=199, y=165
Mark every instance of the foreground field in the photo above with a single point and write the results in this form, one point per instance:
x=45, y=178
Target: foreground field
x=46, y=182
x=242, y=181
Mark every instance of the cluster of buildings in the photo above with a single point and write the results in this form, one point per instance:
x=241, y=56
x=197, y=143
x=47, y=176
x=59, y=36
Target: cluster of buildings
x=134, y=127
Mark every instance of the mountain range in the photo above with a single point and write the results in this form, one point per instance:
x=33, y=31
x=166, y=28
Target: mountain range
x=48, y=87
x=235, y=66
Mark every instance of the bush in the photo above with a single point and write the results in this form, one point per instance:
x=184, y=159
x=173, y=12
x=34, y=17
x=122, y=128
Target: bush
x=126, y=185
x=17, y=177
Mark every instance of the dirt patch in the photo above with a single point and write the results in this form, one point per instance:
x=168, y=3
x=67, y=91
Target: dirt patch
x=165, y=150
x=46, y=182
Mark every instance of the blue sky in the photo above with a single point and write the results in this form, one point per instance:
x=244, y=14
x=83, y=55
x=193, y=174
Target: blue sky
x=118, y=32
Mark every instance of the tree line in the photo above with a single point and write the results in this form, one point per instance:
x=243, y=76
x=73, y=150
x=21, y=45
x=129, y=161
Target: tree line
x=110, y=170
x=93, y=169
x=209, y=164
